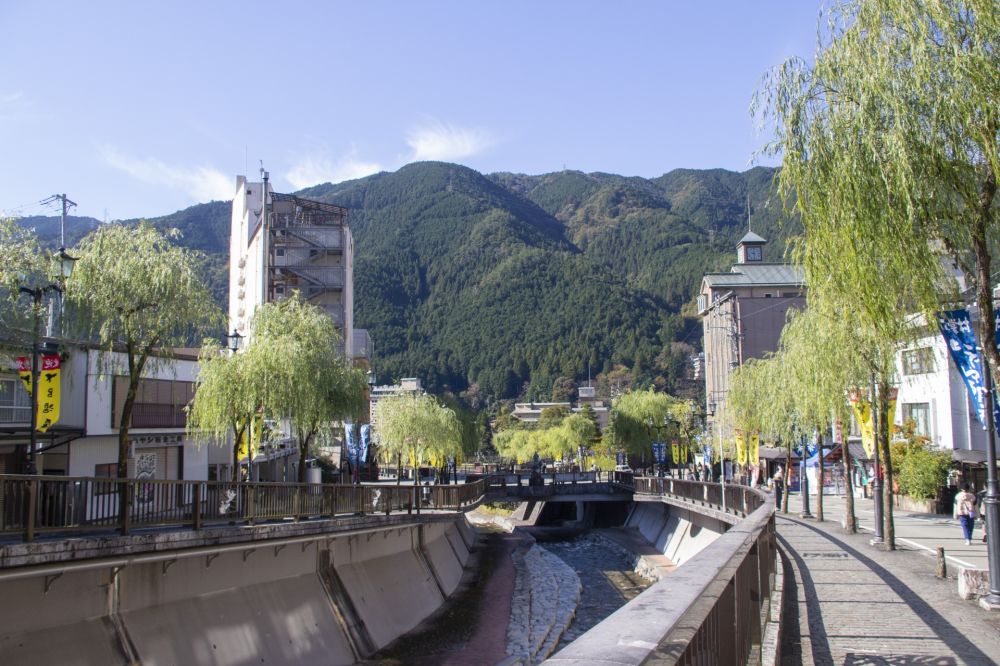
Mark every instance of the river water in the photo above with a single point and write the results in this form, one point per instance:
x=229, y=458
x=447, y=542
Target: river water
x=607, y=578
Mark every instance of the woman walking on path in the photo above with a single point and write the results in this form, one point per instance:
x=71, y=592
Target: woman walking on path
x=965, y=511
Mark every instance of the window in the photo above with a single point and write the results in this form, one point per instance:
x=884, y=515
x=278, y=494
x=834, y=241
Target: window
x=279, y=251
x=918, y=361
x=920, y=412
x=15, y=405
x=105, y=471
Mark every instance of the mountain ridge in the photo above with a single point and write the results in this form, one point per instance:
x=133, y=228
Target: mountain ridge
x=506, y=285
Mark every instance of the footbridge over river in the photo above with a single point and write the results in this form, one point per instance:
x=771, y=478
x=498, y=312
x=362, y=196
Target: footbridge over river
x=213, y=572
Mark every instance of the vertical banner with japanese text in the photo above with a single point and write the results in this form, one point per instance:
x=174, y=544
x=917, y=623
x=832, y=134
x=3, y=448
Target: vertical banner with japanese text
x=48, y=388
x=741, y=447
x=863, y=414
x=675, y=451
x=956, y=327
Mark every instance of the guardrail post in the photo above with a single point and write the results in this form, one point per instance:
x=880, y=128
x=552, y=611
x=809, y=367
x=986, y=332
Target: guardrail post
x=124, y=504
x=297, y=503
x=196, y=505
x=251, y=500
x=29, y=522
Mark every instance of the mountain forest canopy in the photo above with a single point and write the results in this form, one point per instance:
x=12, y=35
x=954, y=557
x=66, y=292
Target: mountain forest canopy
x=507, y=286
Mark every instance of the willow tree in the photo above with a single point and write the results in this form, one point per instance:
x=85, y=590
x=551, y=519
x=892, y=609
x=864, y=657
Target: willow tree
x=226, y=399
x=304, y=375
x=890, y=145
x=759, y=399
x=139, y=295
x=639, y=417
x=21, y=259
x=417, y=430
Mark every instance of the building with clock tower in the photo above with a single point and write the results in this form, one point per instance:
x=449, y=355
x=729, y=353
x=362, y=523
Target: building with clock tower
x=743, y=312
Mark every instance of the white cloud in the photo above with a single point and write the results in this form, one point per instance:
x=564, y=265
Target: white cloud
x=316, y=169
x=202, y=183
x=440, y=141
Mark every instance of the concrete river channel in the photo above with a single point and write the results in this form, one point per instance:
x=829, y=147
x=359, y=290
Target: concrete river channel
x=493, y=615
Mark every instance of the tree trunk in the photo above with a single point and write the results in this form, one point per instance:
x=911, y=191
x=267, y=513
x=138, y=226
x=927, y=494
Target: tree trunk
x=984, y=293
x=787, y=476
x=819, y=478
x=303, y=453
x=399, y=469
x=888, y=529
x=236, y=453
x=850, y=524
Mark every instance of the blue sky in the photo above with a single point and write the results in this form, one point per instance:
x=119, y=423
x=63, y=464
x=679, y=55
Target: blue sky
x=142, y=108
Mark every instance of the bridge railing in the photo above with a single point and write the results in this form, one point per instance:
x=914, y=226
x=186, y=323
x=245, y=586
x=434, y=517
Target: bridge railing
x=739, y=498
x=713, y=609
x=30, y=505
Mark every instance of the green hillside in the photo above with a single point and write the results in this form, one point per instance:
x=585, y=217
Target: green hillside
x=509, y=283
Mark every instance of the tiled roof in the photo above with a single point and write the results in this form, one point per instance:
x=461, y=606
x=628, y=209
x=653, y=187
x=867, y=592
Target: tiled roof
x=743, y=275
x=751, y=237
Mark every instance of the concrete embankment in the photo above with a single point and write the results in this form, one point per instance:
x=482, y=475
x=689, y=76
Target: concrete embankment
x=307, y=597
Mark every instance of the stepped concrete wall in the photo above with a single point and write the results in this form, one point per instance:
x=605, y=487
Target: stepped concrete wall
x=331, y=600
x=677, y=532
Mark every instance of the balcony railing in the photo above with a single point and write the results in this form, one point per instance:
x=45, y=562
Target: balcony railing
x=72, y=505
x=15, y=414
x=158, y=415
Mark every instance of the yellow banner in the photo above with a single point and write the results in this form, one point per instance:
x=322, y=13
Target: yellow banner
x=741, y=448
x=48, y=388
x=685, y=456
x=250, y=447
x=753, y=455
x=863, y=414
x=675, y=452
x=892, y=410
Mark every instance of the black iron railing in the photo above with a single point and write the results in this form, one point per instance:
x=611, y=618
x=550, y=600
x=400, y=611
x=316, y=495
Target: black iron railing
x=30, y=505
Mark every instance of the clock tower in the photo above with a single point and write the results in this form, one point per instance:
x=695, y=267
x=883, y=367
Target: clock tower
x=750, y=249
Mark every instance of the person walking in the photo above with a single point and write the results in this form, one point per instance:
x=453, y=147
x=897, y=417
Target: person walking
x=779, y=486
x=965, y=511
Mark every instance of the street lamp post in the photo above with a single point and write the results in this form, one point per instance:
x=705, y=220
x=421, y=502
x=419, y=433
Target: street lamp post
x=64, y=264
x=877, y=537
x=991, y=502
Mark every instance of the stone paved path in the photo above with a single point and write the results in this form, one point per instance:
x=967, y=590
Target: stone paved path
x=855, y=604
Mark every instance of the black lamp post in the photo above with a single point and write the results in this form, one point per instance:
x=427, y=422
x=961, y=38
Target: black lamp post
x=63, y=264
x=991, y=502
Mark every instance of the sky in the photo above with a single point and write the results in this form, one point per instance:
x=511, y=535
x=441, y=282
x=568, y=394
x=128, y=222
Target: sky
x=142, y=108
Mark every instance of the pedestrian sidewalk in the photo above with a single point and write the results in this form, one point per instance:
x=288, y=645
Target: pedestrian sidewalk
x=919, y=531
x=850, y=603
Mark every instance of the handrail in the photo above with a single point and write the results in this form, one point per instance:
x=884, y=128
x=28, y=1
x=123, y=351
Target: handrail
x=712, y=609
x=74, y=505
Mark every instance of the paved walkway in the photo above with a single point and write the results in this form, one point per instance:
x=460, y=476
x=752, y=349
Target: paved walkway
x=856, y=604
x=920, y=531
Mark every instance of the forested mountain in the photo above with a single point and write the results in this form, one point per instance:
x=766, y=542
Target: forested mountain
x=509, y=285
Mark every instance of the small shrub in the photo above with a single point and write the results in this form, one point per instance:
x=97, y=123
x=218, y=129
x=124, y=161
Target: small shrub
x=923, y=472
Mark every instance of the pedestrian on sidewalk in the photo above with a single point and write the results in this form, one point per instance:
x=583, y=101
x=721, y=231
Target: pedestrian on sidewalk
x=779, y=486
x=965, y=511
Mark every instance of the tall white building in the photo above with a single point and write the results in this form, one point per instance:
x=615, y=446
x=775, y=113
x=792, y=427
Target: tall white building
x=283, y=243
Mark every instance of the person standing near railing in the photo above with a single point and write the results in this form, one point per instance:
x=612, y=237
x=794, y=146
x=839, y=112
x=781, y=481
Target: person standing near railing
x=779, y=485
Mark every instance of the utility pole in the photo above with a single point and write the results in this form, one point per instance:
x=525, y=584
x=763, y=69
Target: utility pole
x=62, y=222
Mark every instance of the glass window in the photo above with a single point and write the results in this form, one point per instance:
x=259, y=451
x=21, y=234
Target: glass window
x=918, y=361
x=920, y=412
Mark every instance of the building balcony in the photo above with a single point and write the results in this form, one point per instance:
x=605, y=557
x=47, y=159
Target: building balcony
x=158, y=415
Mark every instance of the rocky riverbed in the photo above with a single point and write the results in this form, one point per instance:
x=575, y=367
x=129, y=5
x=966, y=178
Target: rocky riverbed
x=608, y=581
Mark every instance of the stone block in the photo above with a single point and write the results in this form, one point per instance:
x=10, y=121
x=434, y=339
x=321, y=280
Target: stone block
x=973, y=583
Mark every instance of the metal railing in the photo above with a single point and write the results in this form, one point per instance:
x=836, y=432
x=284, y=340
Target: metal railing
x=30, y=505
x=713, y=609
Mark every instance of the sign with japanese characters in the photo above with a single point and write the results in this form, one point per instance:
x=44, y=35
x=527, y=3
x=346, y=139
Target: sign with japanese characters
x=956, y=327
x=48, y=388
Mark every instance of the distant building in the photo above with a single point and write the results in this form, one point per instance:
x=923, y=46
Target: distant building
x=530, y=412
x=932, y=393
x=409, y=385
x=743, y=312
x=299, y=244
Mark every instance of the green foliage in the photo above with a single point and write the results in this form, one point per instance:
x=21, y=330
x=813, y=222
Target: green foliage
x=640, y=417
x=923, y=471
x=136, y=292
x=294, y=350
x=417, y=430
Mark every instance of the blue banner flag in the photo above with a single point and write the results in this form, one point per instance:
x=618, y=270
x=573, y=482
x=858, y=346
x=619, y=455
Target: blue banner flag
x=706, y=455
x=366, y=430
x=349, y=442
x=956, y=327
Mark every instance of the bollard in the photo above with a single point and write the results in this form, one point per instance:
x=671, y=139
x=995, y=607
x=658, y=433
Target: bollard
x=942, y=566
